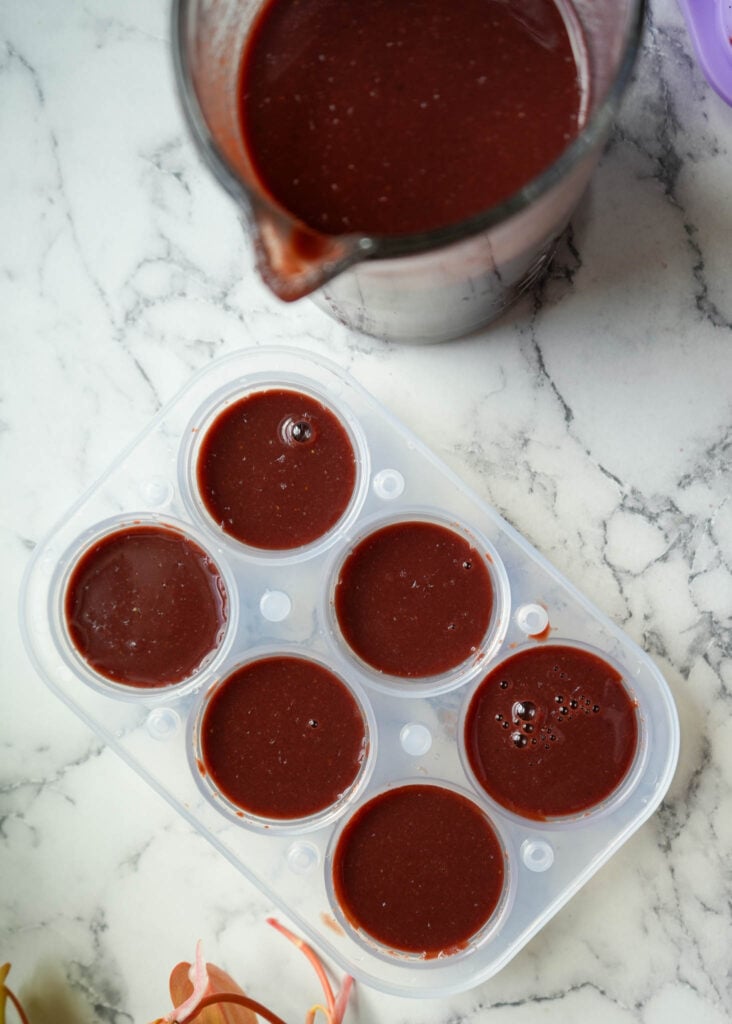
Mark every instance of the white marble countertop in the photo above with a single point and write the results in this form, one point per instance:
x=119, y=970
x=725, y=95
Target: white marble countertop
x=595, y=418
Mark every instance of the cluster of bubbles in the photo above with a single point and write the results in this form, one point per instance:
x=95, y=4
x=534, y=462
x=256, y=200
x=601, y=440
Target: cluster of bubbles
x=581, y=704
x=523, y=714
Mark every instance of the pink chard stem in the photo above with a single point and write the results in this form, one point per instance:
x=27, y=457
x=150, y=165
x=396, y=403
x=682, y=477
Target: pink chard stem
x=335, y=1012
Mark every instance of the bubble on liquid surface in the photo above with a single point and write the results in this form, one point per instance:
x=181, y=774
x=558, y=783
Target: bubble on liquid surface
x=524, y=710
x=297, y=431
x=519, y=740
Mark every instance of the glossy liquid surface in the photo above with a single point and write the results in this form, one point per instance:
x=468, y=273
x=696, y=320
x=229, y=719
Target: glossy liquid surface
x=391, y=118
x=282, y=738
x=414, y=599
x=145, y=606
x=551, y=732
x=276, y=469
x=420, y=869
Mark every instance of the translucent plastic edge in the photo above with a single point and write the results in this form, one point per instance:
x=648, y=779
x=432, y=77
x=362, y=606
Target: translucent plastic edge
x=390, y=987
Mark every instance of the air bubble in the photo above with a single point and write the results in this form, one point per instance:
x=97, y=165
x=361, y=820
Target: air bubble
x=524, y=710
x=302, y=431
x=504, y=684
x=297, y=431
x=519, y=740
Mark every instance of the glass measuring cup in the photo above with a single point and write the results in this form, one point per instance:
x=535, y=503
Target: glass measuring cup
x=424, y=287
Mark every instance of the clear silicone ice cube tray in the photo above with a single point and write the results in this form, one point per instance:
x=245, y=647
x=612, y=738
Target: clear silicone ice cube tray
x=283, y=602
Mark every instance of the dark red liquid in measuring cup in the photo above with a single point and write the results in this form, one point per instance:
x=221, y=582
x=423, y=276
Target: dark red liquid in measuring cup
x=551, y=732
x=420, y=869
x=400, y=117
x=282, y=738
x=276, y=469
x=145, y=606
x=414, y=599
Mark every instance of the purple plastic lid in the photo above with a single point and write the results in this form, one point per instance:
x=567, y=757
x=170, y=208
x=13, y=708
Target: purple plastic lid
x=710, y=27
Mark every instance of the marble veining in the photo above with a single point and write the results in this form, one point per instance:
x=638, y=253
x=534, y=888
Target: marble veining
x=595, y=417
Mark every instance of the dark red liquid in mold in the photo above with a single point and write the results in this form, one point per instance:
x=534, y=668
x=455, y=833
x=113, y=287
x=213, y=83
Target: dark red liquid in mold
x=276, y=470
x=420, y=869
x=145, y=606
x=398, y=117
x=414, y=599
x=283, y=738
x=551, y=732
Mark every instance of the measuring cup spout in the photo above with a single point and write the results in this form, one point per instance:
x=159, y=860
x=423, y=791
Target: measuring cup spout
x=293, y=260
